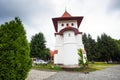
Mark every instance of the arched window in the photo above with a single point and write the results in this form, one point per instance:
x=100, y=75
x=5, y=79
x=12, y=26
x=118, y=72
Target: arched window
x=72, y=24
x=67, y=24
x=69, y=35
x=62, y=24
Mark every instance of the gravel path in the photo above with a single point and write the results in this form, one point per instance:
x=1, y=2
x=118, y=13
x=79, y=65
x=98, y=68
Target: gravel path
x=112, y=73
x=39, y=75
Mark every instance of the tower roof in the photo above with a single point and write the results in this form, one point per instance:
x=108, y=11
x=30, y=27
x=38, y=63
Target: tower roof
x=66, y=14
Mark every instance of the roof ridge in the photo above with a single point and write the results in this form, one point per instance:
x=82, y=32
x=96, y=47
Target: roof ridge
x=66, y=14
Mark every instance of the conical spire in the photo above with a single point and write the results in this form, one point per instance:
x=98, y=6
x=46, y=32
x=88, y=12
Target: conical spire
x=66, y=14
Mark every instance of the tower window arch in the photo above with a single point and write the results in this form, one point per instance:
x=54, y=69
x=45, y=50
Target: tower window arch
x=67, y=24
x=72, y=24
x=69, y=34
x=62, y=24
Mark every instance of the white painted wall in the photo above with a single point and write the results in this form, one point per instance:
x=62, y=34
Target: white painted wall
x=79, y=41
x=58, y=46
x=56, y=58
x=69, y=37
x=60, y=27
x=70, y=54
x=59, y=40
x=67, y=46
x=70, y=48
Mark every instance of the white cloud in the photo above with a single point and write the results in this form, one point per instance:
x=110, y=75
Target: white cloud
x=37, y=16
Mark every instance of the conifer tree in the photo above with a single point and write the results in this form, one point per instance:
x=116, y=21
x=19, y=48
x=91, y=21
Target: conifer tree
x=15, y=61
x=38, y=47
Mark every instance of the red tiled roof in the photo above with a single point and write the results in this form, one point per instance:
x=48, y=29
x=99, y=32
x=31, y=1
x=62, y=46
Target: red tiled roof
x=53, y=52
x=66, y=14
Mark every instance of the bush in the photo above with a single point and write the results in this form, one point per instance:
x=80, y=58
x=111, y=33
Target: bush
x=15, y=61
x=83, y=64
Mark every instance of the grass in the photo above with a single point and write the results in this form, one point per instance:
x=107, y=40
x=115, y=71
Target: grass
x=100, y=65
x=49, y=66
x=92, y=67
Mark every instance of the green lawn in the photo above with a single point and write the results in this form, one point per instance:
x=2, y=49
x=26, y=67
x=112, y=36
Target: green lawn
x=92, y=67
x=49, y=66
x=100, y=65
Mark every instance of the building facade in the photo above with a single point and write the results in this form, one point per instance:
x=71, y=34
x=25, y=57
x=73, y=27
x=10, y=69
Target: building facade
x=68, y=39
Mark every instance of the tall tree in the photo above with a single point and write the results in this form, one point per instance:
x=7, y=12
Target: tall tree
x=15, y=61
x=89, y=44
x=107, y=47
x=38, y=47
x=116, y=47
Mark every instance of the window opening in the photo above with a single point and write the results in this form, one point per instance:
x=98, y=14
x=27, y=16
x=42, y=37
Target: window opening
x=69, y=35
x=72, y=24
x=62, y=24
x=67, y=24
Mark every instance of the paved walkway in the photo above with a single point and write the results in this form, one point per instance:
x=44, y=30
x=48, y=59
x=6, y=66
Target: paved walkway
x=39, y=75
x=112, y=73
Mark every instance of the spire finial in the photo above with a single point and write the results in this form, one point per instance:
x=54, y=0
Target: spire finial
x=65, y=8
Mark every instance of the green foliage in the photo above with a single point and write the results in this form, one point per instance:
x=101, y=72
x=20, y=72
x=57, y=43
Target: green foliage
x=15, y=61
x=92, y=67
x=47, y=67
x=38, y=47
x=100, y=65
x=81, y=59
x=104, y=49
x=117, y=51
x=107, y=48
x=90, y=46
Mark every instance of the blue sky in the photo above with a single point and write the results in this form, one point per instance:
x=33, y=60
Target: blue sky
x=100, y=16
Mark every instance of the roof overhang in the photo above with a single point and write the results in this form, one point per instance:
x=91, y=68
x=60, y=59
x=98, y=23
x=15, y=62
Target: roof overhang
x=55, y=21
x=68, y=29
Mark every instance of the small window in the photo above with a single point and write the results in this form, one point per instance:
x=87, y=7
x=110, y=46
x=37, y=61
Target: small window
x=62, y=24
x=72, y=24
x=67, y=24
x=69, y=35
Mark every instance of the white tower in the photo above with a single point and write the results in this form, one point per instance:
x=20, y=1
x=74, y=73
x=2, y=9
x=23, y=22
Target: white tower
x=68, y=39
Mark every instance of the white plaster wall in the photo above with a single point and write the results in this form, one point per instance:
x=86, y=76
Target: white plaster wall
x=79, y=38
x=59, y=40
x=67, y=46
x=79, y=41
x=56, y=59
x=66, y=22
x=58, y=46
x=70, y=54
x=70, y=49
x=80, y=45
x=69, y=37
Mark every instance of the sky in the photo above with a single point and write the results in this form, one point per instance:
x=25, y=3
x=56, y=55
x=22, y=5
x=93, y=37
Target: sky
x=100, y=16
